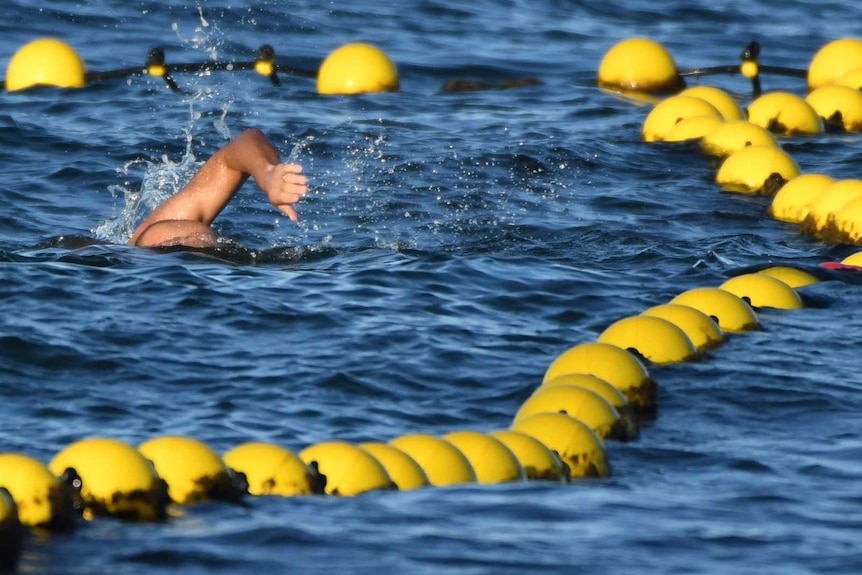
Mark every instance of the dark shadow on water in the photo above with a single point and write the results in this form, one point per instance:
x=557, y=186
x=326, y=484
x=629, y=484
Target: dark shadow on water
x=226, y=251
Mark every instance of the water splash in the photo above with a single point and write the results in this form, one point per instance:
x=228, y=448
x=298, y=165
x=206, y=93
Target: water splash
x=203, y=35
x=299, y=154
x=160, y=181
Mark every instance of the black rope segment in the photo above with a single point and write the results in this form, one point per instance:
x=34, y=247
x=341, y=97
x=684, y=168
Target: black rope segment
x=264, y=63
x=749, y=67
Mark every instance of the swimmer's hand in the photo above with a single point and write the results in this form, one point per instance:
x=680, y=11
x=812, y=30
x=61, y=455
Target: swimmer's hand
x=285, y=185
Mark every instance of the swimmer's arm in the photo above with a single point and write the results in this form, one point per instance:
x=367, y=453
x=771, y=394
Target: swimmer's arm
x=221, y=177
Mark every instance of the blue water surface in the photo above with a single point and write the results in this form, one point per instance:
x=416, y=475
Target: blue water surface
x=452, y=246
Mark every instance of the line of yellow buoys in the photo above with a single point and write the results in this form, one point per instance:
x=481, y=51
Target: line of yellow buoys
x=558, y=435
x=591, y=393
x=747, y=141
x=354, y=68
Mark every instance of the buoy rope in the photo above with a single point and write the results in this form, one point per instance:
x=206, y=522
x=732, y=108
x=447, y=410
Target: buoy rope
x=749, y=67
x=264, y=63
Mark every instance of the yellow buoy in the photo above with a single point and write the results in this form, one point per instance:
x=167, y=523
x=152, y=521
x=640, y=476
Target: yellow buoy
x=785, y=114
x=11, y=533
x=852, y=79
x=761, y=290
x=822, y=212
x=611, y=363
x=116, y=480
x=730, y=312
x=264, y=62
x=598, y=385
x=443, y=463
x=839, y=106
x=750, y=68
x=43, y=500
x=271, y=469
x=349, y=469
x=654, y=338
x=193, y=471
x=794, y=277
x=45, y=62
x=733, y=135
x=701, y=329
x=537, y=460
x=672, y=110
x=402, y=469
x=793, y=200
x=492, y=461
x=833, y=60
x=580, y=403
x=639, y=65
x=575, y=443
x=756, y=170
x=848, y=222
x=853, y=260
x=723, y=102
x=692, y=128
x=357, y=69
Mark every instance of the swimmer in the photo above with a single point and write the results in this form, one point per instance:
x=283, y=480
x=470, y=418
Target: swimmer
x=184, y=219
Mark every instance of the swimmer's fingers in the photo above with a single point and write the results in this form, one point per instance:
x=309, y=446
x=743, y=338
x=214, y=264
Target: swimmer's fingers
x=288, y=186
x=291, y=175
x=289, y=211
